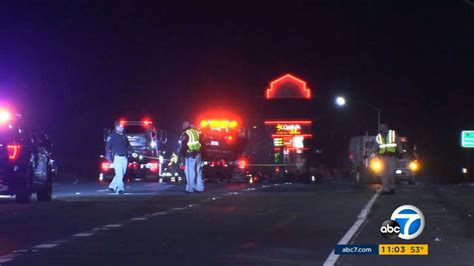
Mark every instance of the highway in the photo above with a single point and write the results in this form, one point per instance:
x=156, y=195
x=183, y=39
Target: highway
x=229, y=224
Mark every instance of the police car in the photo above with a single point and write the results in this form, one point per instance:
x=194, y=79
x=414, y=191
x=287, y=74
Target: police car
x=26, y=163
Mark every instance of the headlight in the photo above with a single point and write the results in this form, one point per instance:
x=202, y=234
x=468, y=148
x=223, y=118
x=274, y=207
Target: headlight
x=398, y=172
x=414, y=166
x=376, y=165
x=153, y=144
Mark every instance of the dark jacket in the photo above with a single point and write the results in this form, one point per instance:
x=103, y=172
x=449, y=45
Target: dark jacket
x=117, y=144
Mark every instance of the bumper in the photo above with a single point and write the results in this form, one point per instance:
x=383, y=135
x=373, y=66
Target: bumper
x=12, y=179
x=404, y=174
x=130, y=174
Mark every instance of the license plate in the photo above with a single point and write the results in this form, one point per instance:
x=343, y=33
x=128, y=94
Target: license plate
x=214, y=143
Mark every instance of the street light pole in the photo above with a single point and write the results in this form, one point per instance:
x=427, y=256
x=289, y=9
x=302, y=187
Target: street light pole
x=341, y=101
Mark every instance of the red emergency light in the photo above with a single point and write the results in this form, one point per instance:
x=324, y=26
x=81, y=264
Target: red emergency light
x=217, y=124
x=275, y=85
x=147, y=121
x=243, y=163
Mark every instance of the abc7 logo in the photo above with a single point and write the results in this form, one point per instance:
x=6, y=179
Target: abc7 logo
x=390, y=229
x=407, y=222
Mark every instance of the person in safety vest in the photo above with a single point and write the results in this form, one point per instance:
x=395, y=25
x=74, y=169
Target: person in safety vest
x=389, y=150
x=191, y=150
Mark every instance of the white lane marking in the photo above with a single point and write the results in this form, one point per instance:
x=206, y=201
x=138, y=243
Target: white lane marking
x=10, y=257
x=46, y=246
x=7, y=258
x=333, y=257
x=21, y=251
x=178, y=209
x=83, y=234
x=139, y=219
x=60, y=241
x=113, y=226
x=158, y=213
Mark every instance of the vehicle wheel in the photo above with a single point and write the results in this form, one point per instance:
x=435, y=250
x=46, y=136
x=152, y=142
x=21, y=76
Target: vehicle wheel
x=46, y=193
x=23, y=196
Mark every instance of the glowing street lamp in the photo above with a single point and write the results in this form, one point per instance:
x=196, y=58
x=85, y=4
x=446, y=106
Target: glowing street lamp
x=341, y=101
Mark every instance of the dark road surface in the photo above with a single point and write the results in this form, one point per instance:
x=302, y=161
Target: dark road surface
x=229, y=224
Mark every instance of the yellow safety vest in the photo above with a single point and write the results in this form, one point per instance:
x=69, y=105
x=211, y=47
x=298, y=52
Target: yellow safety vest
x=387, y=145
x=193, y=140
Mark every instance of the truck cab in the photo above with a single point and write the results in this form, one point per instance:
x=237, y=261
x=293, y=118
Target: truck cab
x=145, y=162
x=363, y=156
x=222, y=144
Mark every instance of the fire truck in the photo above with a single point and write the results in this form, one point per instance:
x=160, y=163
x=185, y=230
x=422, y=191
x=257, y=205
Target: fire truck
x=366, y=166
x=146, y=161
x=223, y=141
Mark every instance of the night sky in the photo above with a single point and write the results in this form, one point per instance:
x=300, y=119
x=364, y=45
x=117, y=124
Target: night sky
x=72, y=67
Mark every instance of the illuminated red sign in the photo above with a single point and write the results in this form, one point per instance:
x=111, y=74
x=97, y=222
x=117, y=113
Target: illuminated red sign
x=288, y=87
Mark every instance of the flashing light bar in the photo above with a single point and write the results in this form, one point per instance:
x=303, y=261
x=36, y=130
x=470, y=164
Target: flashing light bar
x=144, y=122
x=219, y=123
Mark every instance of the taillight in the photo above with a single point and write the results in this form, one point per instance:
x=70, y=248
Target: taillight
x=243, y=163
x=13, y=151
x=153, y=166
x=106, y=166
x=229, y=138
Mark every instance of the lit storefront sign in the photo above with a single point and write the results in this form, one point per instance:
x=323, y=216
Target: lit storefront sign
x=289, y=133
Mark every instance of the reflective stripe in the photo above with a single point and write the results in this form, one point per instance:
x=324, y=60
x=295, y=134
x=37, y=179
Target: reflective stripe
x=387, y=144
x=193, y=141
x=391, y=136
x=379, y=139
